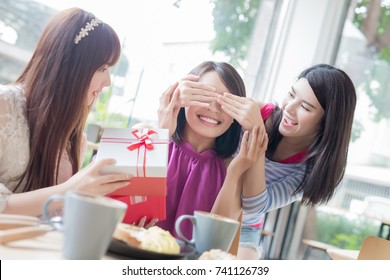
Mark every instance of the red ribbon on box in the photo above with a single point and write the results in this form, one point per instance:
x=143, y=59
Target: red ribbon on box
x=143, y=140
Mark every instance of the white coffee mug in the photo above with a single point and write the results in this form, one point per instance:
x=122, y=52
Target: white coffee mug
x=88, y=223
x=210, y=231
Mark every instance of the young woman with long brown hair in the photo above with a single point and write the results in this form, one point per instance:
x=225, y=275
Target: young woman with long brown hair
x=307, y=151
x=43, y=114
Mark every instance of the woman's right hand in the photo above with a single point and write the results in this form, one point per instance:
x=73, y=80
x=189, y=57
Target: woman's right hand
x=187, y=92
x=169, y=109
x=91, y=180
x=253, y=146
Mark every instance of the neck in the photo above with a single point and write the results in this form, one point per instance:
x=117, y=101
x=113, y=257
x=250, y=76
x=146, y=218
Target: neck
x=290, y=146
x=198, y=142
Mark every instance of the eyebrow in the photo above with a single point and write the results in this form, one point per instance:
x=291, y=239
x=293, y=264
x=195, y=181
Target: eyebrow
x=304, y=101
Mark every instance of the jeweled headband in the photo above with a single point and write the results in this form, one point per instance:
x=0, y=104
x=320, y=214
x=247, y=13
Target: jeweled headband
x=85, y=30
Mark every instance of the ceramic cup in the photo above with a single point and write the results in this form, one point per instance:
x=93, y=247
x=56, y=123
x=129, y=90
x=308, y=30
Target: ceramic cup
x=210, y=231
x=88, y=223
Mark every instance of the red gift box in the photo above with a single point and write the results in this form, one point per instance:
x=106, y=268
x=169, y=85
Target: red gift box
x=144, y=155
x=141, y=206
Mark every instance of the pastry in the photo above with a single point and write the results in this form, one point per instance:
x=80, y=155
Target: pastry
x=216, y=254
x=153, y=239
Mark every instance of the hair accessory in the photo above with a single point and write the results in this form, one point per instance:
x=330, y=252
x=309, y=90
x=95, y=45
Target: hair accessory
x=88, y=27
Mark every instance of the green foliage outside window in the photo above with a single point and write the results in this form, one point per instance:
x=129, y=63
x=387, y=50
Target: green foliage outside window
x=372, y=17
x=234, y=22
x=100, y=115
x=343, y=231
x=233, y=25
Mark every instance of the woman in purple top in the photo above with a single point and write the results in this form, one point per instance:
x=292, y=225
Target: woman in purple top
x=204, y=139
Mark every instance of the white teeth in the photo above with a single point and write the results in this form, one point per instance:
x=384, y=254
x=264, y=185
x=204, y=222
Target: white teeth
x=208, y=120
x=289, y=121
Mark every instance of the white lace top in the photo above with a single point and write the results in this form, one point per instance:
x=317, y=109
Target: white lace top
x=14, y=142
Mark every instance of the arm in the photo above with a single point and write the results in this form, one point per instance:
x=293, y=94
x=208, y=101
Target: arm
x=88, y=179
x=258, y=197
x=254, y=181
x=278, y=193
x=254, y=178
x=30, y=203
x=228, y=202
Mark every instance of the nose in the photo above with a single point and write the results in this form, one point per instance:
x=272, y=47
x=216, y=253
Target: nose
x=214, y=107
x=291, y=106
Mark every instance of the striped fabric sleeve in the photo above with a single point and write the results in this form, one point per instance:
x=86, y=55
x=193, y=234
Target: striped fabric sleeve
x=276, y=195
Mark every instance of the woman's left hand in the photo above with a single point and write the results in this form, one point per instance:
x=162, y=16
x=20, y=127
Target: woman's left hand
x=243, y=109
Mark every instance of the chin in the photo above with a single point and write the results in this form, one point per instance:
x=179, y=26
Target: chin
x=284, y=132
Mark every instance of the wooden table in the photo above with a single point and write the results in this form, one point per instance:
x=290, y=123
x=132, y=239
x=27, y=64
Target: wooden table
x=44, y=247
x=342, y=254
x=49, y=247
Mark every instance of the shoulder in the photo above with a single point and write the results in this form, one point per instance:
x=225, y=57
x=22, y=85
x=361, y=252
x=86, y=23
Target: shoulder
x=267, y=105
x=10, y=89
x=10, y=95
x=266, y=110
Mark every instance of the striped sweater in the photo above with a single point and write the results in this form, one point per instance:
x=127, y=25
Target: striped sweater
x=282, y=179
x=281, y=182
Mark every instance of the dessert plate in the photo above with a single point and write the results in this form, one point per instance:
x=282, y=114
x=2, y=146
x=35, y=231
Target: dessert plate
x=121, y=248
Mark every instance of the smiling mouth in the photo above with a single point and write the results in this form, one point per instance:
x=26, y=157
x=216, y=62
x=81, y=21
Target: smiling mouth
x=289, y=121
x=209, y=120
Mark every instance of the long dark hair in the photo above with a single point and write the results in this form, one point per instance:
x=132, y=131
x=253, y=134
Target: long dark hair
x=327, y=157
x=56, y=81
x=227, y=143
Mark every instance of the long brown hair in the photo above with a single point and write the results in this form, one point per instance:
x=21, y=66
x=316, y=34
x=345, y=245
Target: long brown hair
x=327, y=158
x=56, y=81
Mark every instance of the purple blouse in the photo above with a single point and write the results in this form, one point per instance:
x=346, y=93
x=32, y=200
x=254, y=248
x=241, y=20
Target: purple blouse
x=193, y=183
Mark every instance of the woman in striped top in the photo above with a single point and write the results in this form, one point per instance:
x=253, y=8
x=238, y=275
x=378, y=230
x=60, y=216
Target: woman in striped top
x=307, y=149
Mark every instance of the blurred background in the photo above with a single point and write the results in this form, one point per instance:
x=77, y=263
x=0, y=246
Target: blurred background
x=269, y=42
